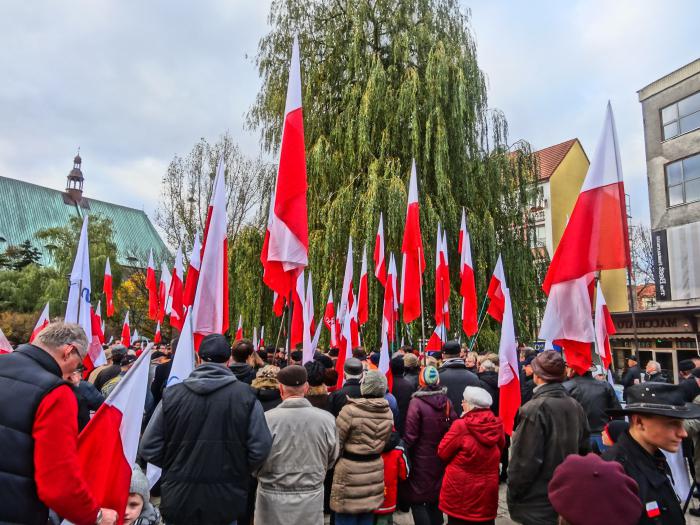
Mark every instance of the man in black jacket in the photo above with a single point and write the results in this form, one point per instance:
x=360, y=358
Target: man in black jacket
x=633, y=376
x=454, y=374
x=240, y=352
x=352, y=371
x=162, y=372
x=402, y=391
x=208, y=434
x=656, y=412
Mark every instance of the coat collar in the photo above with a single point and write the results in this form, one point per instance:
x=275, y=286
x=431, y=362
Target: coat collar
x=42, y=357
x=295, y=402
x=549, y=390
x=652, y=466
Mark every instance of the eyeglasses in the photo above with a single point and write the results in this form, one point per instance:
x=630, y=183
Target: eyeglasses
x=73, y=349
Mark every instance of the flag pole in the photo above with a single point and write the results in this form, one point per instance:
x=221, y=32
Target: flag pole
x=422, y=317
x=481, y=318
x=290, y=309
x=279, y=332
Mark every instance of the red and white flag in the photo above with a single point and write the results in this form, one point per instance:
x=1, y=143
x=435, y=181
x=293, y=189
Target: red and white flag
x=387, y=328
x=175, y=295
x=157, y=337
x=261, y=343
x=436, y=340
x=298, y=313
x=97, y=324
x=308, y=331
x=595, y=238
x=288, y=246
x=354, y=324
x=330, y=321
x=210, y=313
x=392, y=278
x=496, y=293
x=255, y=338
x=5, y=346
x=192, y=273
x=152, y=287
x=467, y=287
x=107, y=288
x=508, y=377
x=390, y=307
x=345, y=350
x=41, y=323
x=363, y=292
x=604, y=328
x=413, y=256
x=163, y=289
x=126, y=331
x=442, y=283
x=309, y=305
x=379, y=261
x=278, y=302
x=347, y=295
x=239, y=330
x=107, y=446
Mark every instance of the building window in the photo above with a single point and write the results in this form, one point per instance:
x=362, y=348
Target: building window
x=681, y=117
x=683, y=181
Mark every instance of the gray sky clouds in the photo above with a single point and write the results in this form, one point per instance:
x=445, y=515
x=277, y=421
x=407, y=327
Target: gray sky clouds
x=134, y=83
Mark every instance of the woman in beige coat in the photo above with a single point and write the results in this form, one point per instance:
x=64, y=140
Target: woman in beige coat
x=364, y=426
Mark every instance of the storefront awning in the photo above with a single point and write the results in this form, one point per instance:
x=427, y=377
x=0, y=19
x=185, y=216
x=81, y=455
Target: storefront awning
x=646, y=337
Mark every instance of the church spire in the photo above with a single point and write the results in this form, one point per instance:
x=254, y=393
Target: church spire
x=74, y=184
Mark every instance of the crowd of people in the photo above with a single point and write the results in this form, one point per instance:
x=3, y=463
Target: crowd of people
x=256, y=436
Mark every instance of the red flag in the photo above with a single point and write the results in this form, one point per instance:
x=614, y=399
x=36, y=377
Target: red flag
x=175, y=295
x=330, y=322
x=41, y=323
x=379, y=262
x=413, y=257
x=152, y=288
x=508, y=378
x=595, y=238
x=126, y=331
x=107, y=446
x=442, y=281
x=210, y=309
x=239, y=330
x=344, y=351
x=96, y=321
x=347, y=296
x=163, y=289
x=604, y=328
x=362, y=294
x=107, y=288
x=288, y=245
x=467, y=288
x=298, y=296
x=5, y=346
x=436, y=340
x=495, y=292
x=278, y=302
x=157, y=337
x=192, y=273
x=387, y=327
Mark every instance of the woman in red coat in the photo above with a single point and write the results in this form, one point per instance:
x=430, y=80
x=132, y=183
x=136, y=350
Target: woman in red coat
x=472, y=451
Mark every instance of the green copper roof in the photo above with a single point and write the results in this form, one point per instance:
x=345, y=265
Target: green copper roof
x=27, y=208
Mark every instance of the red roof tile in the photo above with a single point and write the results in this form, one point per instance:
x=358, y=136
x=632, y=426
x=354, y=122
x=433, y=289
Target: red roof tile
x=549, y=158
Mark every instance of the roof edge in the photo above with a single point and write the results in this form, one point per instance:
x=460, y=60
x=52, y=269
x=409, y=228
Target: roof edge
x=669, y=80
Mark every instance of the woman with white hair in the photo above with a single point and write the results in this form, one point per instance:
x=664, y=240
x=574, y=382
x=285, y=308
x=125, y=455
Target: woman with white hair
x=472, y=451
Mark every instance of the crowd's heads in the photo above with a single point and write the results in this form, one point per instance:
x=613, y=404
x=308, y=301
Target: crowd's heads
x=127, y=361
x=315, y=372
x=587, y=490
x=296, y=356
x=410, y=361
x=333, y=352
x=292, y=375
x=373, y=384
x=374, y=358
x=613, y=430
x=632, y=360
x=66, y=343
x=471, y=359
x=451, y=349
x=266, y=377
x=487, y=366
x=241, y=350
x=352, y=368
x=549, y=366
x=326, y=361
x=214, y=349
x=428, y=376
x=118, y=354
x=653, y=367
x=686, y=365
x=397, y=366
x=359, y=353
x=476, y=397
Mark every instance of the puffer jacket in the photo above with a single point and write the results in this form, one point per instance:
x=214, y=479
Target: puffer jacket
x=472, y=451
x=364, y=427
x=430, y=414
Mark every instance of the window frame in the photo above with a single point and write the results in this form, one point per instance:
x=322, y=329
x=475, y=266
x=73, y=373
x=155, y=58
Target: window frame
x=682, y=183
x=677, y=120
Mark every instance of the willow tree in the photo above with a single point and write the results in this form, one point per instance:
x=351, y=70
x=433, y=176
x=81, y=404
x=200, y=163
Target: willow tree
x=385, y=81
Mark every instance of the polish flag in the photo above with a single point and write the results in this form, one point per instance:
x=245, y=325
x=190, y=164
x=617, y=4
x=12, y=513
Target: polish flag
x=346, y=298
x=107, y=446
x=288, y=245
x=157, y=337
x=387, y=329
x=136, y=337
x=442, y=281
x=508, y=378
x=175, y=295
x=604, y=328
x=163, y=289
x=298, y=312
x=354, y=324
x=41, y=323
x=362, y=294
x=96, y=318
x=345, y=350
x=309, y=305
x=329, y=320
x=436, y=340
x=210, y=308
x=192, y=273
x=390, y=308
x=239, y=330
x=308, y=328
x=152, y=288
x=5, y=346
x=107, y=288
x=126, y=331
x=595, y=238
x=392, y=278
x=379, y=262
x=278, y=302
x=495, y=292
x=467, y=288
x=255, y=338
x=413, y=257
x=261, y=343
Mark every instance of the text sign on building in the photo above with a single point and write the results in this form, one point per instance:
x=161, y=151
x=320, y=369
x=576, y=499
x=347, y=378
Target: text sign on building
x=661, y=274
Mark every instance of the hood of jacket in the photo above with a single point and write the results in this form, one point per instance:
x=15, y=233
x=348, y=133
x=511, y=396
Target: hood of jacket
x=486, y=428
x=240, y=369
x=209, y=377
x=454, y=362
x=394, y=441
x=435, y=396
x=550, y=390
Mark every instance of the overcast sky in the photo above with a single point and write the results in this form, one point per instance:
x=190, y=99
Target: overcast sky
x=134, y=83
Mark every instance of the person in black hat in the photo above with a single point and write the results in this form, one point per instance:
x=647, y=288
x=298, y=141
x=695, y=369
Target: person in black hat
x=633, y=375
x=656, y=412
x=352, y=371
x=527, y=383
x=688, y=383
x=454, y=374
x=208, y=434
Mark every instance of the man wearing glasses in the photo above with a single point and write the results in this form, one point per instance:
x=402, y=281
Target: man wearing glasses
x=39, y=432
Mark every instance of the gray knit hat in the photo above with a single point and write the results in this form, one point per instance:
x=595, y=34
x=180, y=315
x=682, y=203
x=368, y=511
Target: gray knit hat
x=374, y=384
x=139, y=485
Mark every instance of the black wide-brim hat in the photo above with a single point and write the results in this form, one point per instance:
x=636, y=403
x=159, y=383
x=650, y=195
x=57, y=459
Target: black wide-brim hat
x=659, y=399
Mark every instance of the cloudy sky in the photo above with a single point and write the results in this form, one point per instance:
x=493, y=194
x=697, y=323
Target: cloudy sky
x=134, y=83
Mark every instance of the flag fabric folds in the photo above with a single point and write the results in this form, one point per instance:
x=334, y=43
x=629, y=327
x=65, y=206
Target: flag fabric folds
x=107, y=289
x=192, y=273
x=41, y=323
x=152, y=287
x=330, y=321
x=508, y=370
x=604, y=328
x=362, y=293
x=467, y=288
x=413, y=256
x=239, y=330
x=163, y=289
x=175, y=295
x=126, y=331
x=379, y=260
x=495, y=292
